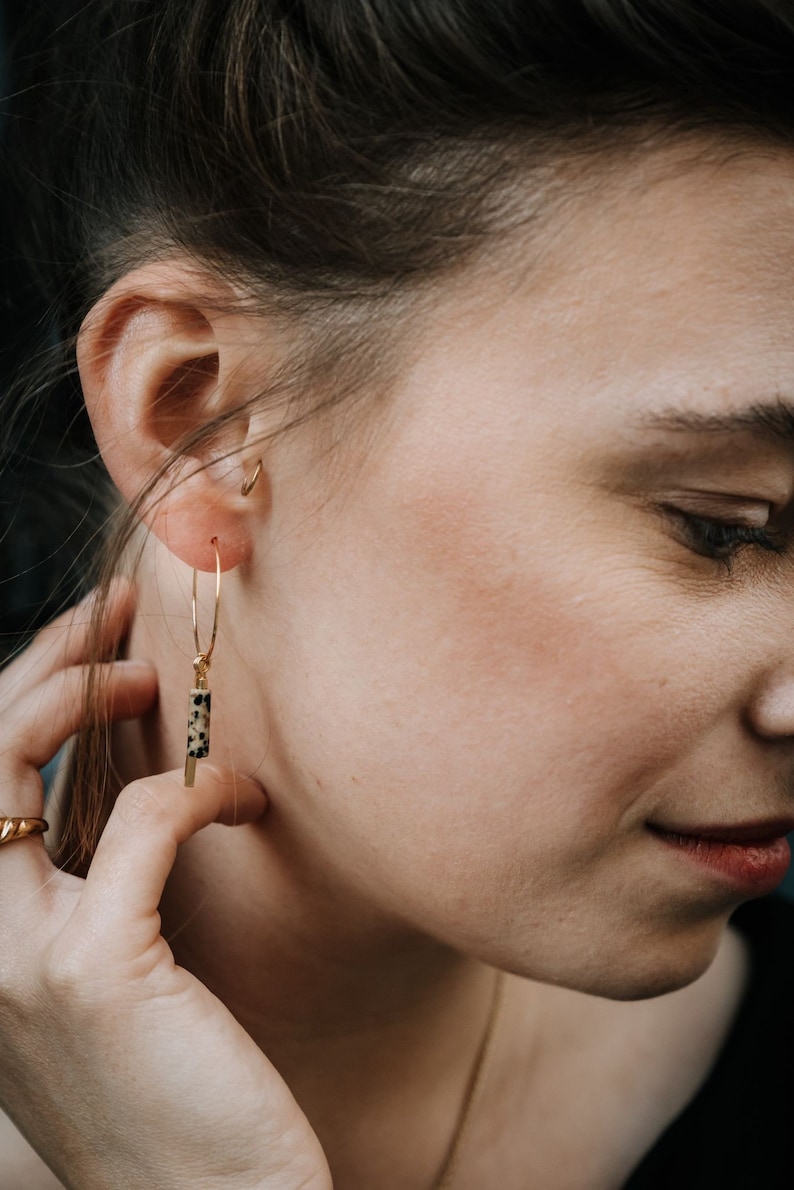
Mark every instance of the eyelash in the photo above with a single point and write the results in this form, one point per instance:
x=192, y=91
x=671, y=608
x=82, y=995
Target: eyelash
x=722, y=540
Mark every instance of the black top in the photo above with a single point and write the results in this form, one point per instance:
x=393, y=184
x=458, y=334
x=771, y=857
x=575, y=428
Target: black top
x=738, y=1131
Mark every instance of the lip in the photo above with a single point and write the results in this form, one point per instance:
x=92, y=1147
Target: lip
x=751, y=857
x=761, y=830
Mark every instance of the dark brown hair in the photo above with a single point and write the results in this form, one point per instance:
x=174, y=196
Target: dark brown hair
x=334, y=157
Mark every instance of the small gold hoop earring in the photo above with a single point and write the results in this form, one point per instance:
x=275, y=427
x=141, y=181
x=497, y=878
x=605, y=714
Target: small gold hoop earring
x=198, y=726
x=250, y=484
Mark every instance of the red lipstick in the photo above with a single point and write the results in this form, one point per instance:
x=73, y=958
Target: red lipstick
x=753, y=857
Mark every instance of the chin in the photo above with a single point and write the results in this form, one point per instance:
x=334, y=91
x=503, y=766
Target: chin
x=645, y=985
x=631, y=965
x=654, y=966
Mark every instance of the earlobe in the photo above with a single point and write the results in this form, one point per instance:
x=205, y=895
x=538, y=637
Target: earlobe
x=158, y=367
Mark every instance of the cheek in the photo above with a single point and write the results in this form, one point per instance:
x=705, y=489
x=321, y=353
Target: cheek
x=563, y=682
x=477, y=676
x=483, y=715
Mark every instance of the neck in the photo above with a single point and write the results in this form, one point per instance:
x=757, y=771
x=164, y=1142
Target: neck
x=375, y=1034
x=374, y=1026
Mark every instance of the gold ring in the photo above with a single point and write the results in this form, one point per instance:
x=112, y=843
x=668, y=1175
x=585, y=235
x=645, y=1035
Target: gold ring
x=19, y=828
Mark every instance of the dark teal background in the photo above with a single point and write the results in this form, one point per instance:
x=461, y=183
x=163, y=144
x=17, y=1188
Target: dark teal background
x=788, y=884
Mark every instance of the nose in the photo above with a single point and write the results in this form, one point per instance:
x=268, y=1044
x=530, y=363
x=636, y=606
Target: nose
x=771, y=708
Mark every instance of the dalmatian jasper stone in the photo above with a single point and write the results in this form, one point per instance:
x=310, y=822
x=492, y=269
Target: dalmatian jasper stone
x=198, y=725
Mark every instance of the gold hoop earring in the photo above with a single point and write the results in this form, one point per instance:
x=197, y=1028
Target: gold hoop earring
x=250, y=484
x=198, y=724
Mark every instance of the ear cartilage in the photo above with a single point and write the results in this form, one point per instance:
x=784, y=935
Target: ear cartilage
x=198, y=730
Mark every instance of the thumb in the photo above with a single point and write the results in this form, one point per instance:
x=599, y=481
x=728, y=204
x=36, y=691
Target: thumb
x=151, y=817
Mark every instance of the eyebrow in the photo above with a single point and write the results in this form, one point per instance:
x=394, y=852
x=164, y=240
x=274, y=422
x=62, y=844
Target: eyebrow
x=768, y=419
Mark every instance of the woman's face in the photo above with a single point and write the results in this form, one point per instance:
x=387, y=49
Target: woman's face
x=504, y=653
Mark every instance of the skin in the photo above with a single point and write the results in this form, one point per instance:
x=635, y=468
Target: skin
x=498, y=562
x=470, y=660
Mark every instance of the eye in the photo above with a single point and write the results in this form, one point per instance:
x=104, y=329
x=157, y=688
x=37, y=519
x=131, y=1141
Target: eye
x=722, y=540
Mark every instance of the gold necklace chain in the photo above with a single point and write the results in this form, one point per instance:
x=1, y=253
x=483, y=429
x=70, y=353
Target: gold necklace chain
x=447, y=1174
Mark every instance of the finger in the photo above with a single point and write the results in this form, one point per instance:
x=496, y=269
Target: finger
x=26, y=869
x=42, y=722
x=67, y=640
x=138, y=847
x=47, y=716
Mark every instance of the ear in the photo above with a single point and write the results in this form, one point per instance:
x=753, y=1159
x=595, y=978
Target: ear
x=160, y=356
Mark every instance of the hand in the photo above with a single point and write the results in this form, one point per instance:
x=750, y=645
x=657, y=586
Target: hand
x=121, y=1068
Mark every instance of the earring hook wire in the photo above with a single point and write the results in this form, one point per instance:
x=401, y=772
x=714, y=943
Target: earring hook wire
x=203, y=655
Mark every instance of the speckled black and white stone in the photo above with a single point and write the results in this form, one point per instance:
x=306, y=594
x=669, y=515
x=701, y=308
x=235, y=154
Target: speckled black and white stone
x=198, y=724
